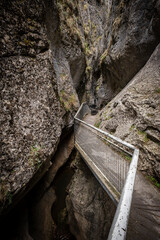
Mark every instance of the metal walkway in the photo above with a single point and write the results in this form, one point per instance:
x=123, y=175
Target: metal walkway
x=114, y=164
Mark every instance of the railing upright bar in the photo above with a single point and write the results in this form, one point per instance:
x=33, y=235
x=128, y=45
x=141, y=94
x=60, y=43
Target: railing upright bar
x=124, y=175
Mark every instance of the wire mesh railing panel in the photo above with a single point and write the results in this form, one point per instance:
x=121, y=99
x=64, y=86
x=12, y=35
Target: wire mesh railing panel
x=110, y=162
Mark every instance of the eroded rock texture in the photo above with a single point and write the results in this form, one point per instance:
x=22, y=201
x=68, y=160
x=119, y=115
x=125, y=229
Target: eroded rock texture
x=131, y=36
x=77, y=43
x=56, y=54
x=134, y=115
x=30, y=118
x=102, y=40
x=31, y=114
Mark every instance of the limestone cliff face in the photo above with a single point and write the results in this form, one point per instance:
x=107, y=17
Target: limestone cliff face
x=31, y=117
x=54, y=55
x=77, y=41
x=131, y=36
x=134, y=115
x=107, y=42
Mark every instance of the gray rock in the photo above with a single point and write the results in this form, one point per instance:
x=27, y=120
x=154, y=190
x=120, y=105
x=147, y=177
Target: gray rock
x=90, y=210
x=33, y=110
x=21, y=28
x=132, y=34
x=31, y=119
x=137, y=114
x=96, y=47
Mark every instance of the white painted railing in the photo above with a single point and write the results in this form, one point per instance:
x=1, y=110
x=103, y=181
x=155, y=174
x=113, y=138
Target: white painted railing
x=106, y=156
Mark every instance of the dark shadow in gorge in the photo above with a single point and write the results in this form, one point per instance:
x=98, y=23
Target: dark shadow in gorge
x=59, y=211
x=14, y=226
x=31, y=217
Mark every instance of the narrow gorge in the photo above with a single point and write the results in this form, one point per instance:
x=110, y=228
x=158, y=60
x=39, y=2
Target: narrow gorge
x=55, y=55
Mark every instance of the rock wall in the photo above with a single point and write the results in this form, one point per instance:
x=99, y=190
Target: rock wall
x=78, y=43
x=133, y=115
x=131, y=37
x=32, y=116
x=96, y=43
x=56, y=54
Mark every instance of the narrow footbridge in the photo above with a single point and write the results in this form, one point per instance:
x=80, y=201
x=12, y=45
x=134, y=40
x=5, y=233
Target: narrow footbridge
x=113, y=162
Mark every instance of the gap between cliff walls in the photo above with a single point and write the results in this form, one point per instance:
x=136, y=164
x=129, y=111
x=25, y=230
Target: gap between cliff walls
x=131, y=36
x=98, y=46
x=99, y=40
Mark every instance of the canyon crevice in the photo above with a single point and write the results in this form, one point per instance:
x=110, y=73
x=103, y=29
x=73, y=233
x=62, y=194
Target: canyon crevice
x=54, y=56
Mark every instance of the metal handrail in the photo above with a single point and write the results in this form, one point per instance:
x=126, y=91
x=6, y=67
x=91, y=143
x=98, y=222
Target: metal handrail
x=107, y=134
x=119, y=225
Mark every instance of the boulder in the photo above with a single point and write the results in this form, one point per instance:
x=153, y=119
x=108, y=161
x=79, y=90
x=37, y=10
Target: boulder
x=30, y=110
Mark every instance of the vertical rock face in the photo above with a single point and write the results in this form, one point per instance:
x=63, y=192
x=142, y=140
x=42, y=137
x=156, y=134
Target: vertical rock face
x=77, y=45
x=130, y=39
x=55, y=54
x=95, y=43
x=64, y=55
x=134, y=115
x=30, y=118
x=31, y=114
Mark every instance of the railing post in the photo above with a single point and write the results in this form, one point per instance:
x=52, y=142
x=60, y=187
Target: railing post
x=74, y=130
